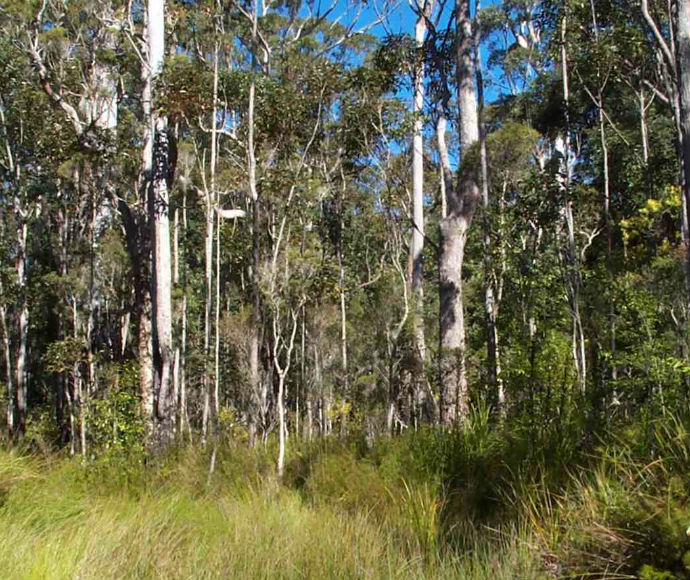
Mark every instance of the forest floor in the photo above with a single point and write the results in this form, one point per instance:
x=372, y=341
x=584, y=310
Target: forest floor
x=470, y=504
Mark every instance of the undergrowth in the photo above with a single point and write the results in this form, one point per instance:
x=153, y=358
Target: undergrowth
x=478, y=502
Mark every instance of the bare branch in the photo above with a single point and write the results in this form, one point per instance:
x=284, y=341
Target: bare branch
x=56, y=98
x=661, y=42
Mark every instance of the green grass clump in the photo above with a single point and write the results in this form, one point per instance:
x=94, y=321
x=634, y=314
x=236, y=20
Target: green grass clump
x=477, y=503
x=59, y=520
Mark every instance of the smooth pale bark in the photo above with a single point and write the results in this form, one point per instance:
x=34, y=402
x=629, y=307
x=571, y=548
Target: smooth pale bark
x=210, y=198
x=259, y=392
x=302, y=386
x=208, y=288
x=91, y=319
x=20, y=377
x=158, y=174
x=162, y=280
x=16, y=411
x=572, y=263
x=446, y=173
x=280, y=345
x=461, y=201
x=216, y=349
x=644, y=135
x=683, y=63
x=215, y=199
x=177, y=358
x=490, y=304
x=343, y=310
x=183, y=339
x=424, y=9
x=212, y=222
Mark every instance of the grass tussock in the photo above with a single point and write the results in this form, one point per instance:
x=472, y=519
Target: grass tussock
x=476, y=503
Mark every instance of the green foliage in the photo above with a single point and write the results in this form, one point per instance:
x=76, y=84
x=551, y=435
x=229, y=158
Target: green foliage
x=114, y=423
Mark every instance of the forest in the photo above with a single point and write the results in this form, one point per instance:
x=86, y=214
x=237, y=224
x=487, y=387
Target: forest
x=366, y=289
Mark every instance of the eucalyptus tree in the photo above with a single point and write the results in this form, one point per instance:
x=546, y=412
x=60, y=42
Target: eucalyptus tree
x=462, y=200
x=424, y=10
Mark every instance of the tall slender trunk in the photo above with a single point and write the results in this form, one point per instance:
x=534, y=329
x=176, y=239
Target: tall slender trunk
x=158, y=171
x=91, y=320
x=8, y=363
x=183, y=338
x=281, y=423
x=343, y=315
x=683, y=64
x=424, y=8
x=282, y=374
x=20, y=376
x=258, y=393
x=606, y=206
x=462, y=201
x=178, y=309
x=490, y=308
x=208, y=302
x=572, y=262
x=78, y=388
x=302, y=386
x=211, y=218
x=644, y=135
x=216, y=348
x=208, y=305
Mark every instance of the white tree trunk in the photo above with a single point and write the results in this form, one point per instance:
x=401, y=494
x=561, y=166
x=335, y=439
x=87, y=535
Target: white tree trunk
x=424, y=9
x=158, y=172
x=572, y=265
x=259, y=391
x=462, y=202
x=683, y=63
x=20, y=377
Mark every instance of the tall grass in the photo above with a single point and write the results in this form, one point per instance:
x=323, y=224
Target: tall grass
x=60, y=520
x=476, y=503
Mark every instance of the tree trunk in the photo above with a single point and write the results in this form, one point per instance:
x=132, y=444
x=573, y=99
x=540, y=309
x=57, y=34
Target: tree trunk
x=683, y=64
x=20, y=377
x=462, y=201
x=8, y=363
x=159, y=173
x=644, y=135
x=177, y=359
x=183, y=339
x=282, y=374
x=258, y=393
x=216, y=349
x=424, y=9
x=208, y=287
x=490, y=308
x=341, y=289
x=454, y=388
x=572, y=262
x=281, y=423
